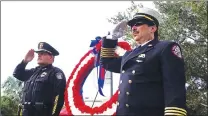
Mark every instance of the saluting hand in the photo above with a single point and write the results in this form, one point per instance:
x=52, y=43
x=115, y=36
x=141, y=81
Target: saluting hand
x=119, y=30
x=29, y=56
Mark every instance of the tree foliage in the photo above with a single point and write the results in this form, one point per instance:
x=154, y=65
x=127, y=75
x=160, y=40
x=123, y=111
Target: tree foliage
x=12, y=92
x=8, y=106
x=197, y=97
x=13, y=88
x=186, y=24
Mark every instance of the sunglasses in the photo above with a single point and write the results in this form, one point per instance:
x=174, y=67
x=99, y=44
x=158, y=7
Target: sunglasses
x=137, y=24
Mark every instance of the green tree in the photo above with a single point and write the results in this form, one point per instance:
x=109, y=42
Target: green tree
x=8, y=106
x=186, y=24
x=12, y=88
x=12, y=92
x=197, y=97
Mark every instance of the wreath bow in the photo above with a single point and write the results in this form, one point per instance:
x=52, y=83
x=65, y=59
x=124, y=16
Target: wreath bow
x=96, y=44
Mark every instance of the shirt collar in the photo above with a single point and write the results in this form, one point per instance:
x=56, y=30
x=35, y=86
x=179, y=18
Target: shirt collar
x=144, y=43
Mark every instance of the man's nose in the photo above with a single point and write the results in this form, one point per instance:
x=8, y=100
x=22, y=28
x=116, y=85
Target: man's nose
x=134, y=28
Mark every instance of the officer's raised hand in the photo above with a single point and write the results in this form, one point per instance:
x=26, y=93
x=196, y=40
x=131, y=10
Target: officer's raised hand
x=29, y=56
x=119, y=30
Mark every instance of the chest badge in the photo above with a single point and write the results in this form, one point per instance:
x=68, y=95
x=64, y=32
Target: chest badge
x=43, y=74
x=141, y=56
x=44, y=69
x=139, y=60
x=150, y=45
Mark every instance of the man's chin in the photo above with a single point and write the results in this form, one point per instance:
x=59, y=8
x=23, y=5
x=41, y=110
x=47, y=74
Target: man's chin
x=41, y=64
x=136, y=38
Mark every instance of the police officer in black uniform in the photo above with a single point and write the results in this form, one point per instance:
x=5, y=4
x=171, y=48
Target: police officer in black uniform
x=43, y=93
x=152, y=81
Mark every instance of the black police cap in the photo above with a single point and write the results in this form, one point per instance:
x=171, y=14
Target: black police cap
x=45, y=47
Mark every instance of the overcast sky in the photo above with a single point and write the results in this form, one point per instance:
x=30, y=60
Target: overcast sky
x=68, y=26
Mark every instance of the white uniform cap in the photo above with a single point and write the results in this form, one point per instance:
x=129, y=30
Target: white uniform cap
x=147, y=14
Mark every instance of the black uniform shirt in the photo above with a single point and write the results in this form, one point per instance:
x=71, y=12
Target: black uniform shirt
x=42, y=84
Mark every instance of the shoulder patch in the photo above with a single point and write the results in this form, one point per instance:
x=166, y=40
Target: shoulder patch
x=59, y=75
x=176, y=51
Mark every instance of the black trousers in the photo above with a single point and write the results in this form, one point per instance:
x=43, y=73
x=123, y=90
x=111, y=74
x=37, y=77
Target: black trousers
x=139, y=112
x=34, y=111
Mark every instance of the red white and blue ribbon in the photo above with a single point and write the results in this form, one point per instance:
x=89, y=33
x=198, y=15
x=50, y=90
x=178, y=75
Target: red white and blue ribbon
x=100, y=70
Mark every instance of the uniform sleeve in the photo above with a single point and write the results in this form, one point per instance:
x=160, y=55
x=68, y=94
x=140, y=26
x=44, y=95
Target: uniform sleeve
x=59, y=88
x=174, y=80
x=108, y=59
x=21, y=73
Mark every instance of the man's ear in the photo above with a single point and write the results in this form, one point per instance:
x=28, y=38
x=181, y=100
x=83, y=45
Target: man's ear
x=153, y=29
x=52, y=57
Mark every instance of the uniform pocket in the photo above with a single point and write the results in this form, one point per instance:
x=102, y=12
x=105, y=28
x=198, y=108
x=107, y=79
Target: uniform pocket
x=37, y=89
x=38, y=84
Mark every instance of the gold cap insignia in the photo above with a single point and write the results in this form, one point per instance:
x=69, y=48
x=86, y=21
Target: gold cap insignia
x=40, y=46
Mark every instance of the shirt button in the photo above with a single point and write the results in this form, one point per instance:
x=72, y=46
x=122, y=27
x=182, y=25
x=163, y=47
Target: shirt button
x=117, y=103
x=130, y=81
x=119, y=92
x=123, y=71
x=120, y=81
x=127, y=105
x=127, y=93
x=133, y=71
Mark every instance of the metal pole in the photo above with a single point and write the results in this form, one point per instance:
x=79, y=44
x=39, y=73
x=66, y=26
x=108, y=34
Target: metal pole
x=94, y=100
x=111, y=77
